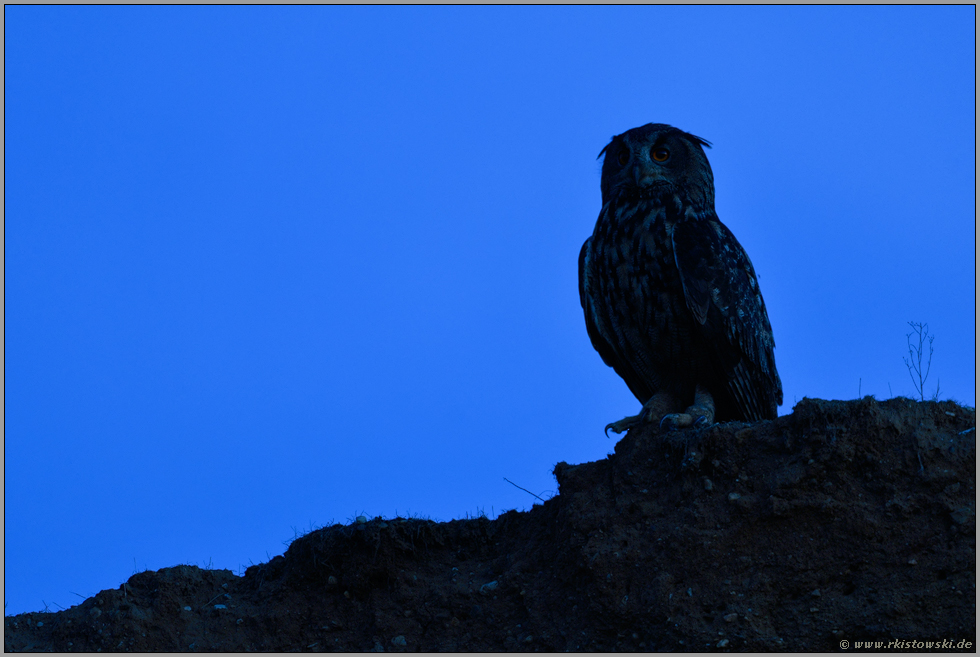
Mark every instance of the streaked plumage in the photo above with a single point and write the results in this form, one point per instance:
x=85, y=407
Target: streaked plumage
x=670, y=297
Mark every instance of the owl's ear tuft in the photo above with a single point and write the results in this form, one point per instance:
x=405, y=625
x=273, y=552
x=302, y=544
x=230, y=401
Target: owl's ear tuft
x=606, y=147
x=698, y=140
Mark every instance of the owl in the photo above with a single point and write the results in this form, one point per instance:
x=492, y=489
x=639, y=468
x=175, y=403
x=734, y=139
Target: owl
x=671, y=299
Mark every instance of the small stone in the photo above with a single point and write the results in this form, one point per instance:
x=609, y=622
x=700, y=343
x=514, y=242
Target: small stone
x=399, y=641
x=813, y=610
x=187, y=608
x=488, y=587
x=730, y=618
x=733, y=496
x=224, y=586
x=239, y=621
x=961, y=515
x=383, y=525
x=40, y=623
x=708, y=484
x=94, y=612
x=347, y=594
x=331, y=581
x=220, y=607
x=950, y=414
x=528, y=639
x=361, y=520
x=690, y=593
x=723, y=643
x=815, y=593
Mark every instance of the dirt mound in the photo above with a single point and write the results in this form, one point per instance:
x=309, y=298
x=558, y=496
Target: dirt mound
x=844, y=521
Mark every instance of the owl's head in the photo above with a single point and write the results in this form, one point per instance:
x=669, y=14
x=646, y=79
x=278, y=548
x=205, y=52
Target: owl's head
x=657, y=158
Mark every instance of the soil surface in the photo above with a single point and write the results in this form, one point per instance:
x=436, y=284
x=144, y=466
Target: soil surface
x=844, y=521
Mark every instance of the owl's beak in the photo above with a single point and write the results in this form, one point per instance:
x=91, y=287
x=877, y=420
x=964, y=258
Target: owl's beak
x=645, y=178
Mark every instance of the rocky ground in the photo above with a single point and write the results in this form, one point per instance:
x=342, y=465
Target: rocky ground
x=844, y=521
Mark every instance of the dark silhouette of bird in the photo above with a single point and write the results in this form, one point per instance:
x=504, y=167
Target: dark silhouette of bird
x=671, y=299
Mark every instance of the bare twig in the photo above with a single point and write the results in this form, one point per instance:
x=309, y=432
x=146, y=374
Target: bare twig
x=208, y=603
x=916, y=352
x=523, y=489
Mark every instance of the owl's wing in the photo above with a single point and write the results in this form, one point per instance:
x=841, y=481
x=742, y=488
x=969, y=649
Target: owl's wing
x=584, y=292
x=722, y=292
x=592, y=324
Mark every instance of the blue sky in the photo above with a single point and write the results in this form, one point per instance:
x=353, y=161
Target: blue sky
x=271, y=268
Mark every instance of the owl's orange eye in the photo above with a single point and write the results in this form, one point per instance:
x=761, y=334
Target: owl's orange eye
x=624, y=157
x=661, y=154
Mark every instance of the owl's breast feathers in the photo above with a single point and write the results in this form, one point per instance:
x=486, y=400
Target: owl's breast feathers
x=671, y=299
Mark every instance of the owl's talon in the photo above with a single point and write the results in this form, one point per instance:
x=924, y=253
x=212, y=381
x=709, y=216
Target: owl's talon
x=702, y=421
x=625, y=424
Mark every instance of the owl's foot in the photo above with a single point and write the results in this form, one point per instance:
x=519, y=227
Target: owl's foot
x=676, y=421
x=655, y=407
x=703, y=408
x=686, y=419
x=671, y=421
x=699, y=414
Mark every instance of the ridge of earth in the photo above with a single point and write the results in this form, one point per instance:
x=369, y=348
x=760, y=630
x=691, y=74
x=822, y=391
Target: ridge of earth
x=843, y=521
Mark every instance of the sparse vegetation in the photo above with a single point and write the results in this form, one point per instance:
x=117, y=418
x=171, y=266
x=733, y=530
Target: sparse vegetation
x=916, y=355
